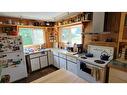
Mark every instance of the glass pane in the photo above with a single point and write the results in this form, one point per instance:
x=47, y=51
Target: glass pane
x=76, y=35
x=65, y=35
x=26, y=34
x=38, y=36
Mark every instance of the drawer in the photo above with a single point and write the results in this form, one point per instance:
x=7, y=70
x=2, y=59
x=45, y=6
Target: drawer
x=35, y=55
x=118, y=74
x=62, y=55
x=71, y=59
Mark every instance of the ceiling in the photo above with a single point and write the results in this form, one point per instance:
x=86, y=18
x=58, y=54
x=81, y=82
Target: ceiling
x=46, y=16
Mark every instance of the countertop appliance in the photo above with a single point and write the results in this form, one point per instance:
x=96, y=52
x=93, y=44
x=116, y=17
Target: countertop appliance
x=12, y=56
x=93, y=69
x=80, y=48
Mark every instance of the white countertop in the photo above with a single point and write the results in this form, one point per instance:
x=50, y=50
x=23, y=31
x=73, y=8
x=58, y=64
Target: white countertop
x=77, y=56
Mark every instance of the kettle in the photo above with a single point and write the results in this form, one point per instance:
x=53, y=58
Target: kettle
x=104, y=56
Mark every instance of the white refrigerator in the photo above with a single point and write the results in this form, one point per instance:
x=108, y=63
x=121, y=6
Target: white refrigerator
x=12, y=58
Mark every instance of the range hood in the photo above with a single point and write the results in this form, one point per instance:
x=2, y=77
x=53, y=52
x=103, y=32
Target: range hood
x=97, y=23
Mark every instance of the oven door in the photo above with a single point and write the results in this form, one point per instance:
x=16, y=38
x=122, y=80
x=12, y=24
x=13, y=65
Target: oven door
x=85, y=71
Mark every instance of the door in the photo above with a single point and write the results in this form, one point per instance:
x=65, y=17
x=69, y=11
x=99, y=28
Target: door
x=43, y=61
x=56, y=61
x=72, y=67
x=35, y=65
x=62, y=63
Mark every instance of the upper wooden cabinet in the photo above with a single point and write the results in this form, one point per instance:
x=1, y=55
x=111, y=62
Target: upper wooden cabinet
x=112, y=22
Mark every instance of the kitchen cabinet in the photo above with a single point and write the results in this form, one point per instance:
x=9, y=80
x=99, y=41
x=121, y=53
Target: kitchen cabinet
x=72, y=64
x=112, y=22
x=35, y=65
x=117, y=76
x=62, y=63
x=72, y=67
x=50, y=57
x=36, y=61
x=43, y=61
x=56, y=61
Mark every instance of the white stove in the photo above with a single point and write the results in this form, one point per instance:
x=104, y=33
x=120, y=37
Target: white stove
x=93, y=69
x=96, y=51
x=92, y=61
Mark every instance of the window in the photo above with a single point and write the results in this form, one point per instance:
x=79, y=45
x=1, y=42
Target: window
x=38, y=36
x=32, y=36
x=72, y=34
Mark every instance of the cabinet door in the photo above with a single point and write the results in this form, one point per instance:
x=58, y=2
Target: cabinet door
x=50, y=57
x=43, y=61
x=56, y=61
x=35, y=65
x=72, y=67
x=62, y=63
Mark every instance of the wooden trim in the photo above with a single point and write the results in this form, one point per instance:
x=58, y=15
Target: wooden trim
x=121, y=30
x=76, y=23
x=70, y=17
x=6, y=25
x=27, y=26
x=23, y=26
x=121, y=25
x=112, y=44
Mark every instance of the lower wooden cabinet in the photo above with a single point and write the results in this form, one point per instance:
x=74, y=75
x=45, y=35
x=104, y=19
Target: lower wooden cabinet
x=117, y=76
x=72, y=67
x=63, y=63
x=35, y=64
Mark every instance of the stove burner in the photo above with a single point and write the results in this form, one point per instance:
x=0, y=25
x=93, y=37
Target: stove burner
x=99, y=61
x=83, y=57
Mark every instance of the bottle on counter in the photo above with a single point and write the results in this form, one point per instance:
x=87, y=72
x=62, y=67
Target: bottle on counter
x=75, y=48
